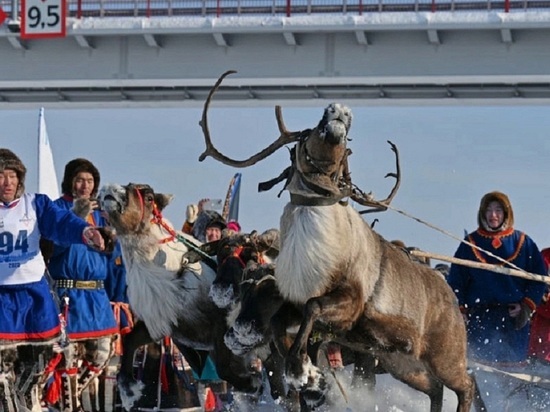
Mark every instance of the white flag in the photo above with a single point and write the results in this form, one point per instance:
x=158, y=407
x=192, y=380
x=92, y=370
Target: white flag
x=47, y=179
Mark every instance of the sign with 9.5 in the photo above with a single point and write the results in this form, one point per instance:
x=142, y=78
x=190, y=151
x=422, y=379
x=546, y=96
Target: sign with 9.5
x=43, y=18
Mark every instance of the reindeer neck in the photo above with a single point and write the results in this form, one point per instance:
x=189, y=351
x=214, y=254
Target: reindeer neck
x=305, y=191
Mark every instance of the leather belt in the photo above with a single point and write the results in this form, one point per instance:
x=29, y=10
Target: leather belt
x=79, y=284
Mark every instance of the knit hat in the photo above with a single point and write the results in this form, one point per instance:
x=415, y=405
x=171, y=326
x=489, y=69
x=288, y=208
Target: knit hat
x=503, y=200
x=73, y=168
x=9, y=160
x=234, y=226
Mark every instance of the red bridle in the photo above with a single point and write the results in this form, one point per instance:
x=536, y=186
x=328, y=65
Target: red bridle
x=157, y=219
x=237, y=255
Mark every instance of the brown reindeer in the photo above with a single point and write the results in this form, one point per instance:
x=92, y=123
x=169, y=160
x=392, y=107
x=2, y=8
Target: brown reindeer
x=351, y=282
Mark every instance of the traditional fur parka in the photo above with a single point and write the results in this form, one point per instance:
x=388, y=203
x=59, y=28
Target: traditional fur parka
x=89, y=311
x=484, y=296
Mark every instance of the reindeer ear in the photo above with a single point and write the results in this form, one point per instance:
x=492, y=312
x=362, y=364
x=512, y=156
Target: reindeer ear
x=268, y=242
x=163, y=200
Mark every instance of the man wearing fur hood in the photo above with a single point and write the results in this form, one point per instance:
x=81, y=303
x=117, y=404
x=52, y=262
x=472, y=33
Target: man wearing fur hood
x=79, y=274
x=29, y=322
x=497, y=307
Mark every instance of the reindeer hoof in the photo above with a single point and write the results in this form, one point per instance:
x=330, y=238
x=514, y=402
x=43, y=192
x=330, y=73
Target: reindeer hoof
x=232, y=342
x=313, y=398
x=308, y=379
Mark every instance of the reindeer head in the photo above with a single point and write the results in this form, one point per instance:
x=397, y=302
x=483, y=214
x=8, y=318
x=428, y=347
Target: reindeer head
x=319, y=172
x=235, y=254
x=319, y=160
x=131, y=207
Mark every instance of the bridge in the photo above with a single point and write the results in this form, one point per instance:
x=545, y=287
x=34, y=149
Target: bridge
x=139, y=53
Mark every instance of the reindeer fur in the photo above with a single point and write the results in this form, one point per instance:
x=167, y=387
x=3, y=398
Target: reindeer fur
x=350, y=281
x=168, y=294
x=358, y=286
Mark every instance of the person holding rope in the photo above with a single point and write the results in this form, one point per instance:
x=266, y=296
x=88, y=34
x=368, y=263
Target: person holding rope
x=29, y=319
x=497, y=308
x=80, y=273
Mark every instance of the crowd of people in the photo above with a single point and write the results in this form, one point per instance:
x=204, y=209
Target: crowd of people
x=64, y=305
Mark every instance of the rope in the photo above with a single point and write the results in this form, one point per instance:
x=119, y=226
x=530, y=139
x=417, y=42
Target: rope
x=401, y=212
x=541, y=381
x=195, y=248
x=159, y=220
x=485, y=266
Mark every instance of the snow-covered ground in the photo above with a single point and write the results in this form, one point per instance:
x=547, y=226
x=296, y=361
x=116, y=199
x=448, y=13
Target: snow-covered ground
x=391, y=395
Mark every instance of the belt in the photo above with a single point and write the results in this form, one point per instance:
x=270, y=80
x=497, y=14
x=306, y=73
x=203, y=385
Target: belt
x=79, y=284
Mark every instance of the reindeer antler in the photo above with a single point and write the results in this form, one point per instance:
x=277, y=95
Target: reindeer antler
x=286, y=137
x=380, y=205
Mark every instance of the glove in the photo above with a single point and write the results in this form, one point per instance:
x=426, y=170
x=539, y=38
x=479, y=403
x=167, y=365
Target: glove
x=521, y=312
x=109, y=238
x=191, y=213
x=102, y=239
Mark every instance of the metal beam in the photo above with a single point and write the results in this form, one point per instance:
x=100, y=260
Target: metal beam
x=361, y=38
x=433, y=37
x=506, y=36
x=220, y=39
x=16, y=43
x=83, y=42
x=290, y=39
x=151, y=40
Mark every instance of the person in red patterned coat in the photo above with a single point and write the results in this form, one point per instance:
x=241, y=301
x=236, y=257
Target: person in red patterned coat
x=539, y=341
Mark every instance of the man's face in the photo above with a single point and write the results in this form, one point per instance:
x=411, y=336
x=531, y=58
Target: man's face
x=8, y=185
x=213, y=233
x=83, y=185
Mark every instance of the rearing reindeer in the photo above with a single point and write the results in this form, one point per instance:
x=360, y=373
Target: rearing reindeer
x=353, y=284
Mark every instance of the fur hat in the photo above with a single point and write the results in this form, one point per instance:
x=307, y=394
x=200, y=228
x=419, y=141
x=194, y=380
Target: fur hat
x=503, y=200
x=9, y=160
x=206, y=219
x=75, y=167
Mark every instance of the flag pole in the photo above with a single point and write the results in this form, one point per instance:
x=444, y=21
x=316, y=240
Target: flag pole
x=47, y=178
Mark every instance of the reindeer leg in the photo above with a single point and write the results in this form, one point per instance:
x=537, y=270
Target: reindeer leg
x=130, y=389
x=301, y=374
x=364, y=375
x=413, y=372
x=338, y=309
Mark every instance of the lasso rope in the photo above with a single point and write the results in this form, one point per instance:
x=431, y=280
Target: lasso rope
x=513, y=271
x=159, y=220
x=401, y=212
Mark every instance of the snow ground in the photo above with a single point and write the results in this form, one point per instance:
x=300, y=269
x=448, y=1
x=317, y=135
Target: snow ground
x=391, y=395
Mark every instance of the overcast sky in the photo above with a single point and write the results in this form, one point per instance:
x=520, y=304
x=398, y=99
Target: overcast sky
x=450, y=157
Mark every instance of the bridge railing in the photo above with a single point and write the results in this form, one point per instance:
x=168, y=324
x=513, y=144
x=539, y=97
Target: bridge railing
x=222, y=8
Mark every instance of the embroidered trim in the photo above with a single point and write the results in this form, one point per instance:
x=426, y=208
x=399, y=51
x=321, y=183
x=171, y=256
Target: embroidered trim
x=503, y=233
x=479, y=256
